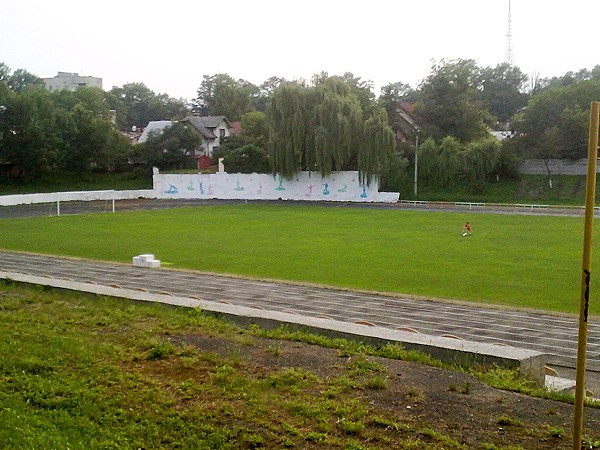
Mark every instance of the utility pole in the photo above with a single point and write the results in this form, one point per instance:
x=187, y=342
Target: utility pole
x=416, y=160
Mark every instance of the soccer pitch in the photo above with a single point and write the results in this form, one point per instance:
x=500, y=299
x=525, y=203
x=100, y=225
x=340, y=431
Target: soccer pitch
x=512, y=260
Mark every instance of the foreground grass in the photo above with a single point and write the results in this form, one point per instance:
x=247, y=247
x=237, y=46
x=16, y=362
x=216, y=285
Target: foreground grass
x=85, y=372
x=521, y=261
x=90, y=372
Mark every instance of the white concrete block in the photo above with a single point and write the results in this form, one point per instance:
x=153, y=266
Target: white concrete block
x=153, y=263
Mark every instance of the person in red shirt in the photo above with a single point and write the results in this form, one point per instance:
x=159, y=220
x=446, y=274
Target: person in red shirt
x=466, y=229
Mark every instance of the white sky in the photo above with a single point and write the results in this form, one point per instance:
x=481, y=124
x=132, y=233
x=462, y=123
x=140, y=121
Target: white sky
x=169, y=46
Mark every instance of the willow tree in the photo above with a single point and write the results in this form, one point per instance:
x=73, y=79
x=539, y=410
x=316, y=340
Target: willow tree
x=289, y=119
x=324, y=128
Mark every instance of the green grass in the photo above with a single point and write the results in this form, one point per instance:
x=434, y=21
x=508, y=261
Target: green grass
x=524, y=261
x=82, y=372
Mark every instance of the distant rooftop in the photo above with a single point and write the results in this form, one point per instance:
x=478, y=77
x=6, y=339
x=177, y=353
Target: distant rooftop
x=157, y=126
x=71, y=81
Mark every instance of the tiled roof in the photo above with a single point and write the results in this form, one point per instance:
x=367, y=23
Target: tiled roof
x=158, y=125
x=198, y=123
x=212, y=121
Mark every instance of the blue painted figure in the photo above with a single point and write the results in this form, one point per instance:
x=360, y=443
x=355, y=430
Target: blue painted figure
x=344, y=188
x=172, y=190
x=201, y=188
x=326, y=190
x=238, y=187
x=280, y=187
x=364, y=192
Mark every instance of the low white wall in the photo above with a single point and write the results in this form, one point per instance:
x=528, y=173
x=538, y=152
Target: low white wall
x=339, y=186
x=28, y=199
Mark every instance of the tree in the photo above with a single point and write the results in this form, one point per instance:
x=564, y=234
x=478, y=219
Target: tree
x=29, y=138
x=449, y=160
x=554, y=123
x=324, y=127
x=481, y=158
x=171, y=148
x=289, y=113
x=247, y=159
x=501, y=90
x=4, y=73
x=136, y=105
x=261, y=102
x=448, y=105
x=95, y=143
x=6, y=99
x=429, y=161
x=255, y=126
x=394, y=93
x=378, y=144
x=362, y=90
x=221, y=95
x=22, y=79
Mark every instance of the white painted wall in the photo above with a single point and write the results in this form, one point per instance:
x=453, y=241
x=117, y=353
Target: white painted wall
x=340, y=186
x=29, y=199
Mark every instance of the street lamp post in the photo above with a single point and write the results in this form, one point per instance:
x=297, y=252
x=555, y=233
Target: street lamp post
x=416, y=160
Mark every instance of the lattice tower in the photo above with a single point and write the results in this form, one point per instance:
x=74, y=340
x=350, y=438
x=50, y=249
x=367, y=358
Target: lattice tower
x=508, y=56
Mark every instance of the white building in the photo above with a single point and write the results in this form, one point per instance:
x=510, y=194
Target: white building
x=71, y=81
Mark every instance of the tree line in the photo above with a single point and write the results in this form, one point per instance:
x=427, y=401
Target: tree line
x=323, y=124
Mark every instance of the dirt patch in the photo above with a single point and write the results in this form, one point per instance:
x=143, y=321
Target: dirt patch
x=455, y=404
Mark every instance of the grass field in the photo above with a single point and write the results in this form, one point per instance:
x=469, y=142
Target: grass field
x=100, y=373
x=91, y=372
x=520, y=261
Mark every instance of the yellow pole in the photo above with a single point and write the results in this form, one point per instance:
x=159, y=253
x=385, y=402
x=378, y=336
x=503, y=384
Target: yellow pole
x=590, y=196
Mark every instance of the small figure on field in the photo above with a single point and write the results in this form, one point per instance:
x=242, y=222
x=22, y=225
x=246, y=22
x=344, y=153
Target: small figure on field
x=466, y=231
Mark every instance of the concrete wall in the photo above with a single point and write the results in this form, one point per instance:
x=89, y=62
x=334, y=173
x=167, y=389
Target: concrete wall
x=340, y=186
x=29, y=199
x=557, y=167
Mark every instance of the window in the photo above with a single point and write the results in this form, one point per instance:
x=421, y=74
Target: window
x=221, y=133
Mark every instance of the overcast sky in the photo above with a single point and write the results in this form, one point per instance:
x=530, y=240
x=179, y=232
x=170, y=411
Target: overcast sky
x=170, y=45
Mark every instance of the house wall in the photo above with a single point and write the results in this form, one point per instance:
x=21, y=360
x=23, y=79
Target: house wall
x=222, y=126
x=211, y=145
x=340, y=186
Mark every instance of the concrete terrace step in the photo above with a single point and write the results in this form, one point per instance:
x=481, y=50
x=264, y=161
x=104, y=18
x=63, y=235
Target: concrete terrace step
x=552, y=334
x=446, y=349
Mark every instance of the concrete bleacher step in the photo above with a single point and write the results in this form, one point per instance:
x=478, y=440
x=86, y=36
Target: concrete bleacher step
x=559, y=384
x=146, y=260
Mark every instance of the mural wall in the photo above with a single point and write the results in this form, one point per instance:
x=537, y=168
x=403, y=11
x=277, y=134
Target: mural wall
x=340, y=186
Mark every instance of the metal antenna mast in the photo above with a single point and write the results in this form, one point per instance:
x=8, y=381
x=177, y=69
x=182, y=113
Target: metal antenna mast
x=508, y=56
